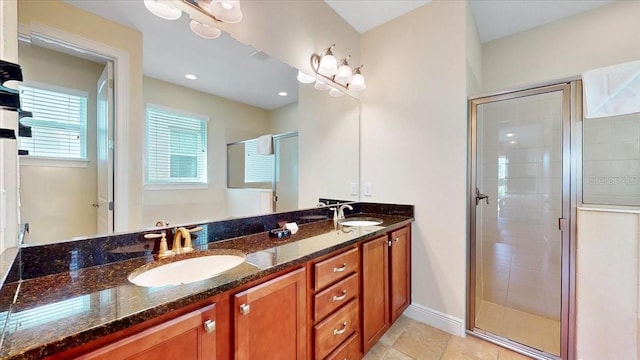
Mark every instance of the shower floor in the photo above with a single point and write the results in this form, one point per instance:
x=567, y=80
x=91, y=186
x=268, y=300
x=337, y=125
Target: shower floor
x=528, y=329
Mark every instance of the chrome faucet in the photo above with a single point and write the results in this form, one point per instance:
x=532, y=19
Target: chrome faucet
x=341, y=210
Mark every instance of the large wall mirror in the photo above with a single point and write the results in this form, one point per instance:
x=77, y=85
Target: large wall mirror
x=193, y=128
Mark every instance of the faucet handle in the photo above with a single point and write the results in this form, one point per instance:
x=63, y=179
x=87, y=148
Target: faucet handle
x=153, y=236
x=164, y=249
x=195, y=229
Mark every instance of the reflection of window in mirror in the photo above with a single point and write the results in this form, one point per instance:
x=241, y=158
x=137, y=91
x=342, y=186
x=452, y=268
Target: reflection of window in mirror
x=59, y=122
x=176, y=147
x=258, y=168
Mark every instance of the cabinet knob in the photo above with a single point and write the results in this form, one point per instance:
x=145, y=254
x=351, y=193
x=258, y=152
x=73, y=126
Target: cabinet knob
x=340, y=331
x=340, y=297
x=341, y=268
x=209, y=326
x=244, y=309
x=397, y=239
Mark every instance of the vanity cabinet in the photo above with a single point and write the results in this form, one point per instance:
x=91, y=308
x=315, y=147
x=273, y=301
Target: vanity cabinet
x=336, y=306
x=190, y=336
x=270, y=319
x=386, y=283
x=399, y=271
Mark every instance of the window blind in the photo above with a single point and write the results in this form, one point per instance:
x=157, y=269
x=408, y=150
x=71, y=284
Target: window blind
x=257, y=168
x=176, y=147
x=58, y=125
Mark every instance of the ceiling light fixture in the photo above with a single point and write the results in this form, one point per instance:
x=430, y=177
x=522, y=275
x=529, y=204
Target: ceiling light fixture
x=163, y=9
x=329, y=76
x=215, y=10
x=190, y=76
x=283, y=93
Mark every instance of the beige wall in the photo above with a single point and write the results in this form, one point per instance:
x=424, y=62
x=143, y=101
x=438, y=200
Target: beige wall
x=70, y=19
x=56, y=201
x=8, y=149
x=607, y=284
x=184, y=206
x=604, y=36
x=329, y=143
x=284, y=119
x=414, y=125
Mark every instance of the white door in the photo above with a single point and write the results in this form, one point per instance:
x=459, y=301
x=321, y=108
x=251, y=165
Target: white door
x=286, y=173
x=105, y=150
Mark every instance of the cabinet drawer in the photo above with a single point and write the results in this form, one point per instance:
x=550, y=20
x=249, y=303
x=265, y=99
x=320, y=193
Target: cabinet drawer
x=336, y=268
x=350, y=350
x=335, y=296
x=335, y=329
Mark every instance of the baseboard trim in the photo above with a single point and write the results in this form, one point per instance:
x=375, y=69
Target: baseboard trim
x=437, y=319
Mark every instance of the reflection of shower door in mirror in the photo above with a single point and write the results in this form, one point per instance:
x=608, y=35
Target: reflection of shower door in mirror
x=105, y=150
x=519, y=189
x=285, y=184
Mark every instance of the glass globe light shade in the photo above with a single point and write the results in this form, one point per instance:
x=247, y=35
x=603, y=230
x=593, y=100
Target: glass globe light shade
x=357, y=83
x=163, y=9
x=319, y=85
x=305, y=78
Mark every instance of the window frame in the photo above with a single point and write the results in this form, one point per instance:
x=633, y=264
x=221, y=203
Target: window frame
x=176, y=185
x=55, y=161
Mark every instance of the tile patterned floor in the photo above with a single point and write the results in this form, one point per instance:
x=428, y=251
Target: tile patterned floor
x=412, y=340
x=535, y=331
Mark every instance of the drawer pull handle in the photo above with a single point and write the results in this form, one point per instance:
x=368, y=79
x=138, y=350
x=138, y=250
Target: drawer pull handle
x=209, y=326
x=337, y=332
x=340, y=297
x=245, y=309
x=341, y=268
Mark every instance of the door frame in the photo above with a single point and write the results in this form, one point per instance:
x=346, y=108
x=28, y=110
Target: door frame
x=567, y=317
x=120, y=59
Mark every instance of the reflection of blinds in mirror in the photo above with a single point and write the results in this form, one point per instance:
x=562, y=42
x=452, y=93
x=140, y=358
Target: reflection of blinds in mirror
x=257, y=168
x=176, y=147
x=59, y=123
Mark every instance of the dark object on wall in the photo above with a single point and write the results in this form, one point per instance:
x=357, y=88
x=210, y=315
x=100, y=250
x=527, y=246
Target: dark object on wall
x=24, y=130
x=9, y=98
x=7, y=134
x=23, y=152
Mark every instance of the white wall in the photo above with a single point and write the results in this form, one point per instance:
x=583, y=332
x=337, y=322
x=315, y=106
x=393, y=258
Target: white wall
x=603, y=36
x=57, y=200
x=607, y=285
x=414, y=135
x=184, y=206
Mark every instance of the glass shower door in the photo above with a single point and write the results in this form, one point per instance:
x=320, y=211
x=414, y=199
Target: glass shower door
x=518, y=207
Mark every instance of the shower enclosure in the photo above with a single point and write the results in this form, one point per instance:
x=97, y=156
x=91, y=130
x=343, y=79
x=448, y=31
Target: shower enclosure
x=519, y=220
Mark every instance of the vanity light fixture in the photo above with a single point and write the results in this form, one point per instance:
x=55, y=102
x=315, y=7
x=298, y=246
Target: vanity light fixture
x=163, y=9
x=216, y=10
x=329, y=76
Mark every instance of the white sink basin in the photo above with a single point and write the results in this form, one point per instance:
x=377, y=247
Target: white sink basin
x=360, y=221
x=186, y=271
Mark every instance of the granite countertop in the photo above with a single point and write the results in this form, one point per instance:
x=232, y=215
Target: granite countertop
x=53, y=313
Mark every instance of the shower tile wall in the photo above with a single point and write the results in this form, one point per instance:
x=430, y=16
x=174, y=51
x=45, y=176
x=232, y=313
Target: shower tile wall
x=611, y=160
x=520, y=242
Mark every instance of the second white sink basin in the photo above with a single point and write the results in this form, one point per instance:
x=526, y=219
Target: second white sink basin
x=186, y=271
x=360, y=221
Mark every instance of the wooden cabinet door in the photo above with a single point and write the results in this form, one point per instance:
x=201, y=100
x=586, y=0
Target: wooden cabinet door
x=185, y=337
x=375, y=290
x=400, y=276
x=270, y=319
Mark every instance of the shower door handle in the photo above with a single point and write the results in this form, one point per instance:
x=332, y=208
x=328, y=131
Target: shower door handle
x=480, y=196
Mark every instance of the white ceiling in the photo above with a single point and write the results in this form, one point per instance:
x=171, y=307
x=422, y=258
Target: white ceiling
x=223, y=66
x=494, y=18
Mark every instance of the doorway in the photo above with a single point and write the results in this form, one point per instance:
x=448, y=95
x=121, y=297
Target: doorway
x=67, y=197
x=519, y=220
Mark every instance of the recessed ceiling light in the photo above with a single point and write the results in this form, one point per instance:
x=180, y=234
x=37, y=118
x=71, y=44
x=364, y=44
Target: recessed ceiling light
x=282, y=93
x=191, y=76
x=512, y=142
x=510, y=134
